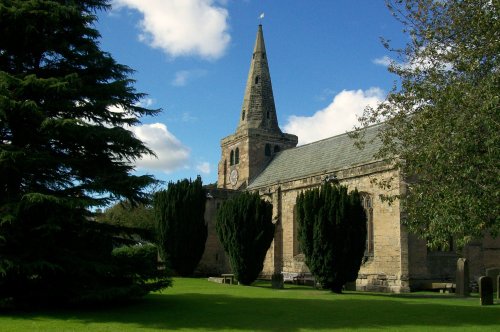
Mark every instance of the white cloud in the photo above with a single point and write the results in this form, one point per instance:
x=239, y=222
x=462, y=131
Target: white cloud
x=146, y=102
x=182, y=77
x=337, y=118
x=383, y=61
x=203, y=167
x=170, y=152
x=183, y=27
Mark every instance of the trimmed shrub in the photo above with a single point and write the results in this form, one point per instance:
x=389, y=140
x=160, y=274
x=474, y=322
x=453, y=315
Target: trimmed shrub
x=332, y=234
x=245, y=229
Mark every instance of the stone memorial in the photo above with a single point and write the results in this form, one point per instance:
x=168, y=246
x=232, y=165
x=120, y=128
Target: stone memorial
x=493, y=272
x=462, y=280
x=486, y=290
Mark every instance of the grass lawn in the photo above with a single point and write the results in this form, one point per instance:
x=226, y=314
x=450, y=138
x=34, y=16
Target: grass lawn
x=200, y=305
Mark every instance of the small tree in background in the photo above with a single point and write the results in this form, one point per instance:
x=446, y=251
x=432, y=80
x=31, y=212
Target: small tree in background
x=245, y=228
x=181, y=227
x=136, y=219
x=332, y=234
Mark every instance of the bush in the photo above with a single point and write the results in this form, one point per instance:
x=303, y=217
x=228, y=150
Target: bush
x=51, y=255
x=181, y=228
x=245, y=228
x=332, y=234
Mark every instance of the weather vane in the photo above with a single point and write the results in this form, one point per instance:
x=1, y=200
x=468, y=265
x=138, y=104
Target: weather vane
x=261, y=17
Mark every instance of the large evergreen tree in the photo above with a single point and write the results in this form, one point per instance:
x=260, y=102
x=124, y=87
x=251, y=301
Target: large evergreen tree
x=181, y=226
x=64, y=148
x=332, y=233
x=442, y=122
x=245, y=228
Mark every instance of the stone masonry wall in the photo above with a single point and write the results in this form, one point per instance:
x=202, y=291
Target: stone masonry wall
x=386, y=270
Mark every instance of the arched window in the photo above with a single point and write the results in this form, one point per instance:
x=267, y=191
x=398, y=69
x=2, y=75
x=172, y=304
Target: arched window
x=256, y=79
x=267, y=114
x=368, y=206
x=237, y=156
x=268, y=150
x=243, y=115
x=231, y=158
x=277, y=149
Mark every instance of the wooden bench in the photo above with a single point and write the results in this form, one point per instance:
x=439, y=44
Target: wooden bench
x=228, y=278
x=443, y=287
x=289, y=276
x=304, y=279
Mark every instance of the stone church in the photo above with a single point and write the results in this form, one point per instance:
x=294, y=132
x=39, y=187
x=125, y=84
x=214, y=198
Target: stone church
x=260, y=157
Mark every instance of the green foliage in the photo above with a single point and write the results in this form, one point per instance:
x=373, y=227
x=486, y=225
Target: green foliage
x=332, y=233
x=59, y=134
x=138, y=218
x=139, y=263
x=64, y=148
x=442, y=122
x=54, y=256
x=181, y=227
x=245, y=228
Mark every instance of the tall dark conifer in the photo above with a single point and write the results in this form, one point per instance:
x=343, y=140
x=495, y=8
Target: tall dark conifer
x=181, y=226
x=245, y=228
x=332, y=233
x=65, y=106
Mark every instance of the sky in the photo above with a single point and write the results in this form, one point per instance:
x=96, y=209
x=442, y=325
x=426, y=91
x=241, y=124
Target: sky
x=191, y=58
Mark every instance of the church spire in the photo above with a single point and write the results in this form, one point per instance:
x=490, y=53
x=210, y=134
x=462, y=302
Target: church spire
x=258, y=110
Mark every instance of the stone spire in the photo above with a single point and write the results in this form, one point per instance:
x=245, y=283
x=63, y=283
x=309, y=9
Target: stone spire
x=258, y=110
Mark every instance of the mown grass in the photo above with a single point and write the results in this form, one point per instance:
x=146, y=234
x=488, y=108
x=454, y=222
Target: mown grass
x=199, y=305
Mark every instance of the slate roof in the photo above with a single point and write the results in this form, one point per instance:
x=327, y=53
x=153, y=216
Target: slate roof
x=328, y=155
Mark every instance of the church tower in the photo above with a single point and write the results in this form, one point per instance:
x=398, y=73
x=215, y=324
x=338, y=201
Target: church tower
x=258, y=137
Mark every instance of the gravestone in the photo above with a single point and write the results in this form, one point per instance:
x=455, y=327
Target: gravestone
x=486, y=290
x=493, y=272
x=462, y=281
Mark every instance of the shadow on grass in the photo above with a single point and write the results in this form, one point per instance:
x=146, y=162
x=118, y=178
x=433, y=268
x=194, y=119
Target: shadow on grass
x=224, y=311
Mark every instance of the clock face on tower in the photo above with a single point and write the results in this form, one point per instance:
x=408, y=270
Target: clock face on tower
x=233, y=177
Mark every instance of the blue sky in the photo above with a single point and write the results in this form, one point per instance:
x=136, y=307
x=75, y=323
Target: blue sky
x=192, y=58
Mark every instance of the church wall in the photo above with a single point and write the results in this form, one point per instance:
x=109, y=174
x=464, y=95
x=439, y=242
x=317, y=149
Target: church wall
x=386, y=270
x=433, y=266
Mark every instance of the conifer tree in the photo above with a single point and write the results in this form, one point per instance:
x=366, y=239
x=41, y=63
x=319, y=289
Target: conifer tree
x=332, y=234
x=65, y=106
x=245, y=228
x=181, y=227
